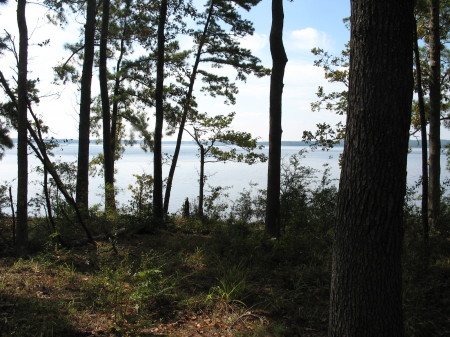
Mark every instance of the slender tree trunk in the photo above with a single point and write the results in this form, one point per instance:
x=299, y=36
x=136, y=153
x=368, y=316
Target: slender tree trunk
x=50, y=210
x=115, y=127
x=201, y=196
x=279, y=61
x=41, y=153
x=82, y=187
x=110, y=203
x=158, y=211
x=366, y=297
x=115, y=120
x=13, y=214
x=423, y=134
x=22, y=155
x=435, y=114
x=186, y=107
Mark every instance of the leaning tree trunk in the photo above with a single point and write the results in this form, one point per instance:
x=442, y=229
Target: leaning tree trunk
x=41, y=153
x=22, y=155
x=82, y=186
x=186, y=107
x=366, y=297
x=158, y=211
x=108, y=155
x=435, y=114
x=279, y=61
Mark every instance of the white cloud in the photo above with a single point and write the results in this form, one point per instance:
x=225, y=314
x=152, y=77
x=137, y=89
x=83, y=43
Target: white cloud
x=308, y=38
x=255, y=42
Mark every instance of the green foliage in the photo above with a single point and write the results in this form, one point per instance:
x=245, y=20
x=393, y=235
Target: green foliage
x=232, y=287
x=425, y=288
x=336, y=71
x=5, y=140
x=140, y=204
x=232, y=272
x=250, y=205
x=209, y=131
x=216, y=203
x=4, y=197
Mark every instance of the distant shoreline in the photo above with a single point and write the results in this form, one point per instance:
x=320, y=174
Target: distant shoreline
x=412, y=143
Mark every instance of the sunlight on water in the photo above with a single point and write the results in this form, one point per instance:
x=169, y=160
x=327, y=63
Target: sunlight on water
x=237, y=176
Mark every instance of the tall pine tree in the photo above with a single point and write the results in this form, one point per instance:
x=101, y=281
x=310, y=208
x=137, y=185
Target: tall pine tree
x=366, y=297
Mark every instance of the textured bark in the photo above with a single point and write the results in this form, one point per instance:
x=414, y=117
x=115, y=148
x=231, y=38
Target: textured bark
x=82, y=187
x=186, y=107
x=435, y=114
x=366, y=272
x=108, y=156
x=423, y=136
x=22, y=155
x=279, y=61
x=158, y=211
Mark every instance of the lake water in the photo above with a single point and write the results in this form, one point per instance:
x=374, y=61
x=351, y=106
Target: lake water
x=237, y=176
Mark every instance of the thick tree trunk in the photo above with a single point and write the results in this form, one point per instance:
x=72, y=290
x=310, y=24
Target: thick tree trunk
x=186, y=107
x=82, y=187
x=279, y=61
x=423, y=136
x=158, y=211
x=22, y=155
x=435, y=114
x=110, y=203
x=366, y=272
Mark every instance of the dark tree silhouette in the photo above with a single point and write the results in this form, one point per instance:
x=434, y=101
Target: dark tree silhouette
x=279, y=60
x=22, y=153
x=434, y=187
x=82, y=188
x=366, y=274
x=158, y=211
x=108, y=154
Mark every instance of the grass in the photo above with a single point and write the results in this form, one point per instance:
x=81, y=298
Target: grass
x=169, y=284
x=224, y=280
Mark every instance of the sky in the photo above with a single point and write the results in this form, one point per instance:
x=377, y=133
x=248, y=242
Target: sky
x=308, y=24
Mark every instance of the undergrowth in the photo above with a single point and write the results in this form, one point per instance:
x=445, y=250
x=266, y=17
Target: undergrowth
x=220, y=276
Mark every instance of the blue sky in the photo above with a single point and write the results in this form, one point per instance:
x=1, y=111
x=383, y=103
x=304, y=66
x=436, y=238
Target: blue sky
x=308, y=24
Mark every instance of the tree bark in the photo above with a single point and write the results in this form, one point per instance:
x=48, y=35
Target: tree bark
x=423, y=136
x=435, y=114
x=186, y=106
x=108, y=155
x=158, y=211
x=366, y=268
x=22, y=153
x=279, y=60
x=82, y=186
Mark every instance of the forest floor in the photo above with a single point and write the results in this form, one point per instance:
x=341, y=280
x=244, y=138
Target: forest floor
x=166, y=284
